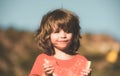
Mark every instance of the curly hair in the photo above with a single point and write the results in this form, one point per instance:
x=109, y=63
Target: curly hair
x=58, y=19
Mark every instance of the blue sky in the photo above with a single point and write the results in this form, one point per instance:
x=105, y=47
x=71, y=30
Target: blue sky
x=97, y=16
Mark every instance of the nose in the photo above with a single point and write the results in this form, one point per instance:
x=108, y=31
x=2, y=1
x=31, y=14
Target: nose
x=62, y=34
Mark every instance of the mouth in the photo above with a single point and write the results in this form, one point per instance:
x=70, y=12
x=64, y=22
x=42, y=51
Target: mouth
x=62, y=40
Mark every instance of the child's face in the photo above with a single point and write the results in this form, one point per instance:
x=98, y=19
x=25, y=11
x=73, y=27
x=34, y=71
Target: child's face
x=61, y=39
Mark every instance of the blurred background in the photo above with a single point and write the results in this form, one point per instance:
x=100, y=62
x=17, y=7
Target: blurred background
x=100, y=43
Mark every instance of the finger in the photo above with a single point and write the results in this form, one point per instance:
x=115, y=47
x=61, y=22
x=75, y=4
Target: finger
x=49, y=70
x=47, y=66
x=46, y=61
x=85, y=72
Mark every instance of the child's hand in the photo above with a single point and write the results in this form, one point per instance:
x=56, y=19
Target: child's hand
x=86, y=72
x=48, y=68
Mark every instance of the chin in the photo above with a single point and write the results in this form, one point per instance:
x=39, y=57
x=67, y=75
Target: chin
x=62, y=48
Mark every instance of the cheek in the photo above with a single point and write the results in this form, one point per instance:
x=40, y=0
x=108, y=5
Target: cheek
x=70, y=37
x=53, y=37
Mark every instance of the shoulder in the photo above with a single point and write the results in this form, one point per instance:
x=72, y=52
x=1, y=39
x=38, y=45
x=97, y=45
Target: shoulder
x=37, y=68
x=81, y=57
x=41, y=56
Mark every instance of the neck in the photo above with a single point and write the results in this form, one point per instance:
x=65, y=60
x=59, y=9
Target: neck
x=59, y=54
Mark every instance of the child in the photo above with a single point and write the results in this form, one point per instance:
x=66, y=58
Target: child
x=58, y=36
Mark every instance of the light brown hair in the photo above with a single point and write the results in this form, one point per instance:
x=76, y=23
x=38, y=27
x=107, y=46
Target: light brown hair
x=56, y=20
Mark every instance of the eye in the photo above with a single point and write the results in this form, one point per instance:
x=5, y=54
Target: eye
x=68, y=31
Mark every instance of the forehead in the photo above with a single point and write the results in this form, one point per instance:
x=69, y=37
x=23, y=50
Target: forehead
x=65, y=29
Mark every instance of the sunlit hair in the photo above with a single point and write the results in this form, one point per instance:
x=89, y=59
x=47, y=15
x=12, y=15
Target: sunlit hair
x=56, y=20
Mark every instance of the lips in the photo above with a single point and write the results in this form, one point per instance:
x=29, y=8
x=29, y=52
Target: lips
x=62, y=40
